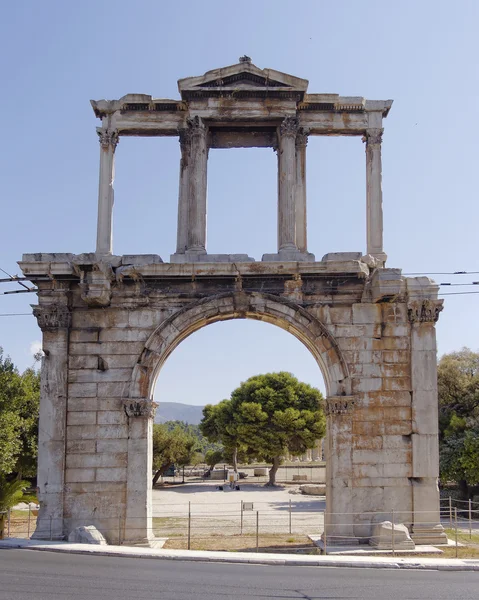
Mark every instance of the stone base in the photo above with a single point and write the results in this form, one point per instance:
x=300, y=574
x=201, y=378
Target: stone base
x=204, y=257
x=148, y=543
x=427, y=534
x=339, y=540
x=289, y=256
x=384, y=534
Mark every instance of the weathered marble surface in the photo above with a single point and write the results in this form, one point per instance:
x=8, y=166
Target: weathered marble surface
x=372, y=333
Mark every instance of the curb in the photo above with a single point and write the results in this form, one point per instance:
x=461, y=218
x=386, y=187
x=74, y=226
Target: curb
x=244, y=558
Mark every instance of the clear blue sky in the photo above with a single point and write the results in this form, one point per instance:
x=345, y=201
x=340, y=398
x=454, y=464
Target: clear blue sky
x=57, y=55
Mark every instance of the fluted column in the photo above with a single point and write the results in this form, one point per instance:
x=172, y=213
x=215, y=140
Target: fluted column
x=197, y=186
x=108, y=142
x=182, y=235
x=374, y=194
x=301, y=221
x=287, y=180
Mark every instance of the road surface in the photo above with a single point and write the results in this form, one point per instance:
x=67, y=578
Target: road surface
x=26, y=574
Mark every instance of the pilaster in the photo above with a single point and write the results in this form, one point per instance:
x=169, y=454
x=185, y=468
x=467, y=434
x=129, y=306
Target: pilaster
x=338, y=520
x=138, y=526
x=182, y=235
x=300, y=192
x=287, y=179
x=426, y=527
x=55, y=321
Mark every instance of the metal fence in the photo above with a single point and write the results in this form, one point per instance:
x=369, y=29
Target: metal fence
x=254, y=525
x=296, y=473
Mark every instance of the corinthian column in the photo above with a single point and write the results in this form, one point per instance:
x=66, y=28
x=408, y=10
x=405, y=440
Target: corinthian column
x=287, y=179
x=182, y=236
x=196, y=238
x=374, y=194
x=301, y=222
x=108, y=141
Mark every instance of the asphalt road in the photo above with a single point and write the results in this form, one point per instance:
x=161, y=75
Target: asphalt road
x=26, y=574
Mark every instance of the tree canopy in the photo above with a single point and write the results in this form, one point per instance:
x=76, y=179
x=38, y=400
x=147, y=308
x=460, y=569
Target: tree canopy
x=266, y=416
x=458, y=391
x=19, y=407
x=171, y=447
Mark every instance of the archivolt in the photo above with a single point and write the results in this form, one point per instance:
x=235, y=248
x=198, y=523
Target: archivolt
x=241, y=305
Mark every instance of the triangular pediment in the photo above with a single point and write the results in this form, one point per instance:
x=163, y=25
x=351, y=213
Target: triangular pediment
x=244, y=76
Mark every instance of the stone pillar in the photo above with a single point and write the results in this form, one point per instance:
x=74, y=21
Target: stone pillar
x=287, y=180
x=54, y=320
x=301, y=221
x=138, y=525
x=374, y=194
x=196, y=238
x=339, y=471
x=182, y=236
x=426, y=522
x=104, y=239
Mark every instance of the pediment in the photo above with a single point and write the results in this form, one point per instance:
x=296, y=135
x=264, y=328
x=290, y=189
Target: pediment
x=244, y=76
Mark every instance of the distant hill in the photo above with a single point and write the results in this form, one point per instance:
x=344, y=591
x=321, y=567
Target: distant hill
x=174, y=411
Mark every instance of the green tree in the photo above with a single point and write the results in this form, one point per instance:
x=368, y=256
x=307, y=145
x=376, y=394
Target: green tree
x=11, y=493
x=266, y=416
x=19, y=406
x=213, y=457
x=458, y=391
x=171, y=447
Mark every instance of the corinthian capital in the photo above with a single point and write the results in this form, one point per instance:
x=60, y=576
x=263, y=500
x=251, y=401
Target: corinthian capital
x=339, y=405
x=140, y=407
x=108, y=138
x=289, y=127
x=373, y=137
x=302, y=137
x=51, y=317
x=424, y=311
x=196, y=126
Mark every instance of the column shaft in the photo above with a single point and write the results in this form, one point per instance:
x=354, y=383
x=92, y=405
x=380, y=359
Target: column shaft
x=182, y=236
x=104, y=240
x=301, y=220
x=287, y=180
x=374, y=194
x=197, y=186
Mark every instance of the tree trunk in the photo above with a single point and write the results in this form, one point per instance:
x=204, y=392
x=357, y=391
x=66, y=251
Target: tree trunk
x=156, y=477
x=273, y=471
x=235, y=460
x=161, y=472
x=2, y=525
x=463, y=489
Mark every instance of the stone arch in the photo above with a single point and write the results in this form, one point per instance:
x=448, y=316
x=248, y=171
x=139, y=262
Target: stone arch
x=247, y=305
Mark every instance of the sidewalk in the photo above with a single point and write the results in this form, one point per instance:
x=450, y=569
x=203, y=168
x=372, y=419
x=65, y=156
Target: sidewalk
x=365, y=562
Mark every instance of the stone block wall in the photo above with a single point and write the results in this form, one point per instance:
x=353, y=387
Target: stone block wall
x=372, y=334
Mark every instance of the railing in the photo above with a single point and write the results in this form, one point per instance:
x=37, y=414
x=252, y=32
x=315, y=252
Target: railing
x=254, y=525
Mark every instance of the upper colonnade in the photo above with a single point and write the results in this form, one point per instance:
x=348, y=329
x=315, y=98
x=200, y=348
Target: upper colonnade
x=242, y=106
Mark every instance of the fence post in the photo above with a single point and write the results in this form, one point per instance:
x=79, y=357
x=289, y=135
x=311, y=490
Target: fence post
x=290, y=515
x=455, y=521
x=392, y=532
x=51, y=530
x=8, y=522
x=257, y=530
x=189, y=525
x=119, y=530
x=325, y=542
x=450, y=512
x=29, y=513
x=470, y=519
x=241, y=530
